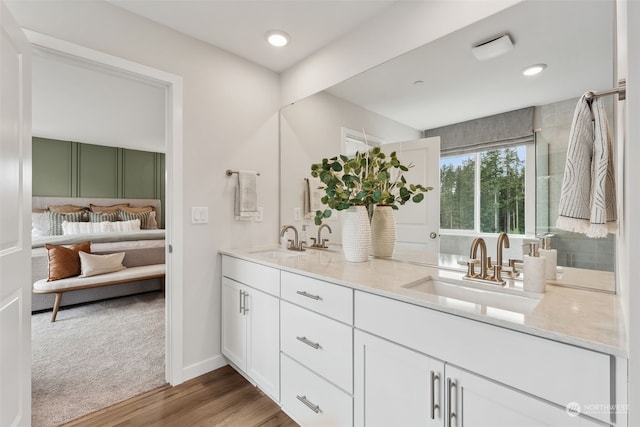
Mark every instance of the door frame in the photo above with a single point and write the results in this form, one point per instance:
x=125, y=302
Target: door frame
x=173, y=154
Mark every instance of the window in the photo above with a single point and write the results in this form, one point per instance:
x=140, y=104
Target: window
x=489, y=198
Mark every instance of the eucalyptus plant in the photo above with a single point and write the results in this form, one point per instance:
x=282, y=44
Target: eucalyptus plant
x=366, y=179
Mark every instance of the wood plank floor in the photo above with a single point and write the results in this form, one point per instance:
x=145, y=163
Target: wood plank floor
x=220, y=398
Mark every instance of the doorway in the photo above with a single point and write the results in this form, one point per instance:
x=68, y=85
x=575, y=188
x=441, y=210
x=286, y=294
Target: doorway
x=173, y=151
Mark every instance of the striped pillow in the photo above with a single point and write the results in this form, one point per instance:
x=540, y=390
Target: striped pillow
x=103, y=216
x=142, y=216
x=55, y=220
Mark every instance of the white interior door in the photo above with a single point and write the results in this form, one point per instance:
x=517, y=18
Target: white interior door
x=15, y=224
x=418, y=224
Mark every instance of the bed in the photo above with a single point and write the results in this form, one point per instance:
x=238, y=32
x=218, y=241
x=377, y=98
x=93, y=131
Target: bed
x=141, y=247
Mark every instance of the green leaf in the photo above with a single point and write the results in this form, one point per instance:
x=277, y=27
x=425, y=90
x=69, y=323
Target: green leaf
x=418, y=198
x=377, y=195
x=336, y=167
x=327, y=213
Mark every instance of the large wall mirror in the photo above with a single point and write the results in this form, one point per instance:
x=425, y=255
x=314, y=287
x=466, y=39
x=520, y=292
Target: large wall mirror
x=440, y=90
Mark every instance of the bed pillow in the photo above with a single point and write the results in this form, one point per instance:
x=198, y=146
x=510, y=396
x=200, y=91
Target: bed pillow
x=102, y=216
x=65, y=261
x=142, y=216
x=81, y=227
x=55, y=220
x=39, y=224
x=131, y=225
x=92, y=265
x=67, y=208
x=107, y=209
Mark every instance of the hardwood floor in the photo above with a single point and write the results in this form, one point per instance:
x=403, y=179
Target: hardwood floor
x=220, y=398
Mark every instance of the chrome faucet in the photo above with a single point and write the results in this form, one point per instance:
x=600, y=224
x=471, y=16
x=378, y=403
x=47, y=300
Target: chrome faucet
x=503, y=241
x=294, y=245
x=471, y=274
x=320, y=242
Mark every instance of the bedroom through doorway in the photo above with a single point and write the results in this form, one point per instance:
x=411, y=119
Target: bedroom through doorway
x=106, y=121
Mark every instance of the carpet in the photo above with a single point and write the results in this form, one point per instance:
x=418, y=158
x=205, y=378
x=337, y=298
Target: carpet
x=96, y=355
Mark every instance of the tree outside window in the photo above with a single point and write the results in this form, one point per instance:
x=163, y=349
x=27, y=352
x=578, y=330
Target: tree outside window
x=500, y=186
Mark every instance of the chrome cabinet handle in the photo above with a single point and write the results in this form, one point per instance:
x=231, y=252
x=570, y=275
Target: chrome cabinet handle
x=451, y=414
x=244, y=304
x=434, y=406
x=241, y=299
x=308, y=295
x=309, y=343
x=314, y=408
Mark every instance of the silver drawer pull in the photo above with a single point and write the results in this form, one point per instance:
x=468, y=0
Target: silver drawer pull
x=309, y=343
x=308, y=295
x=314, y=408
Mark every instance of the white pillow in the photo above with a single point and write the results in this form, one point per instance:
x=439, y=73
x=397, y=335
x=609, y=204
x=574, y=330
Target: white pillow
x=131, y=225
x=92, y=265
x=80, y=227
x=39, y=224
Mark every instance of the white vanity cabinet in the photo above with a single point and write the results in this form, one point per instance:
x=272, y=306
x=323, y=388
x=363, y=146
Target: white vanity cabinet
x=509, y=378
x=251, y=321
x=471, y=400
x=317, y=351
x=395, y=386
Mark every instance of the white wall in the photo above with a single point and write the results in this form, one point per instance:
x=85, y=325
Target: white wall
x=230, y=121
x=400, y=28
x=629, y=246
x=74, y=100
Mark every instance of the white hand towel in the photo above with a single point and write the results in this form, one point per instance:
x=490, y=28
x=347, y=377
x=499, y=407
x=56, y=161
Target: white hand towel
x=313, y=197
x=588, y=196
x=246, y=203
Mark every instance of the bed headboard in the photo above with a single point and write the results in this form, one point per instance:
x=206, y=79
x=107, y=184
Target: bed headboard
x=41, y=202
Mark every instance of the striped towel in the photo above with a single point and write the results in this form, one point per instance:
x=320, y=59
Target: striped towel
x=588, y=197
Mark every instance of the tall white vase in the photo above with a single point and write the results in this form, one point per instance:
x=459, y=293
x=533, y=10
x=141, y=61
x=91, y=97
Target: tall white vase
x=356, y=234
x=383, y=232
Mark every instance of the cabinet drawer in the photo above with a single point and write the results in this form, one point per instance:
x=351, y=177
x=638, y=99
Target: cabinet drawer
x=321, y=344
x=554, y=371
x=325, y=298
x=310, y=400
x=257, y=276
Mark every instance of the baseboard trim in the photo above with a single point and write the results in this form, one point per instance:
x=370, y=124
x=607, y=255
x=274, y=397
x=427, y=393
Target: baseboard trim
x=201, y=368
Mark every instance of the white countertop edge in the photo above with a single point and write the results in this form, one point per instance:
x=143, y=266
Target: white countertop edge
x=538, y=332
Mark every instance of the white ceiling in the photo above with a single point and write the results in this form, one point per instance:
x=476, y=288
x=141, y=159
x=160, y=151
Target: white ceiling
x=574, y=38
x=239, y=26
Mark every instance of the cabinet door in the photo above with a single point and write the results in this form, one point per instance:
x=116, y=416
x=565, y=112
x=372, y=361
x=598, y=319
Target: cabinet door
x=263, y=341
x=395, y=386
x=234, y=335
x=477, y=401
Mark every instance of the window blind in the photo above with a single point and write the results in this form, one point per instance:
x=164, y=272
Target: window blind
x=487, y=133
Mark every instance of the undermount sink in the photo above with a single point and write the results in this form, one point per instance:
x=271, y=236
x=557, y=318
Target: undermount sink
x=278, y=253
x=481, y=294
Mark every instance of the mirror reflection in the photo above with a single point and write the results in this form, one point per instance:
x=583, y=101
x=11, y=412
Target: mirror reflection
x=502, y=136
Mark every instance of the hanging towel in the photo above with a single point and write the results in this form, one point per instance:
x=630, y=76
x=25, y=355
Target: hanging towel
x=588, y=196
x=313, y=197
x=246, y=203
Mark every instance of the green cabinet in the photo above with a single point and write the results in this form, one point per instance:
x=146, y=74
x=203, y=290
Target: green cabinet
x=73, y=169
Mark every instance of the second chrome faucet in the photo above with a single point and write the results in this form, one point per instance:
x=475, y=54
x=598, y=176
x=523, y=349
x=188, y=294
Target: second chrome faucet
x=485, y=261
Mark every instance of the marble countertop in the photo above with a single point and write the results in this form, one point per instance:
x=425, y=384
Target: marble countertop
x=588, y=319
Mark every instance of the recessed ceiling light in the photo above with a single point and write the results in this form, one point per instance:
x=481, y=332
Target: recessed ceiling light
x=277, y=38
x=532, y=70
x=418, y=82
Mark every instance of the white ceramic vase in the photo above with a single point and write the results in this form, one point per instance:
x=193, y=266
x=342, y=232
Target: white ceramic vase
x=383, y=231
x=356, y=234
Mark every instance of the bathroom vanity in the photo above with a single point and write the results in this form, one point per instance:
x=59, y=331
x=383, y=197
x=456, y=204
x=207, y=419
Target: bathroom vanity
x=389, y=343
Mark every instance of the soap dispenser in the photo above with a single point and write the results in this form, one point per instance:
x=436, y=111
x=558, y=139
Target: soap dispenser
x=534, y=268
x=550, y=256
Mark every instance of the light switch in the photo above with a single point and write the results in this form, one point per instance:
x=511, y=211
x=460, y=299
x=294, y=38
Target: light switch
x=199, y=215
x=297, y=215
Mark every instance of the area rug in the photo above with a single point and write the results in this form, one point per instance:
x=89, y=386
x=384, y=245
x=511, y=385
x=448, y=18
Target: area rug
x=96, y=355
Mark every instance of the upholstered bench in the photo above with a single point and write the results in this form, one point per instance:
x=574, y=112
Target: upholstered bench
x=131, y=274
